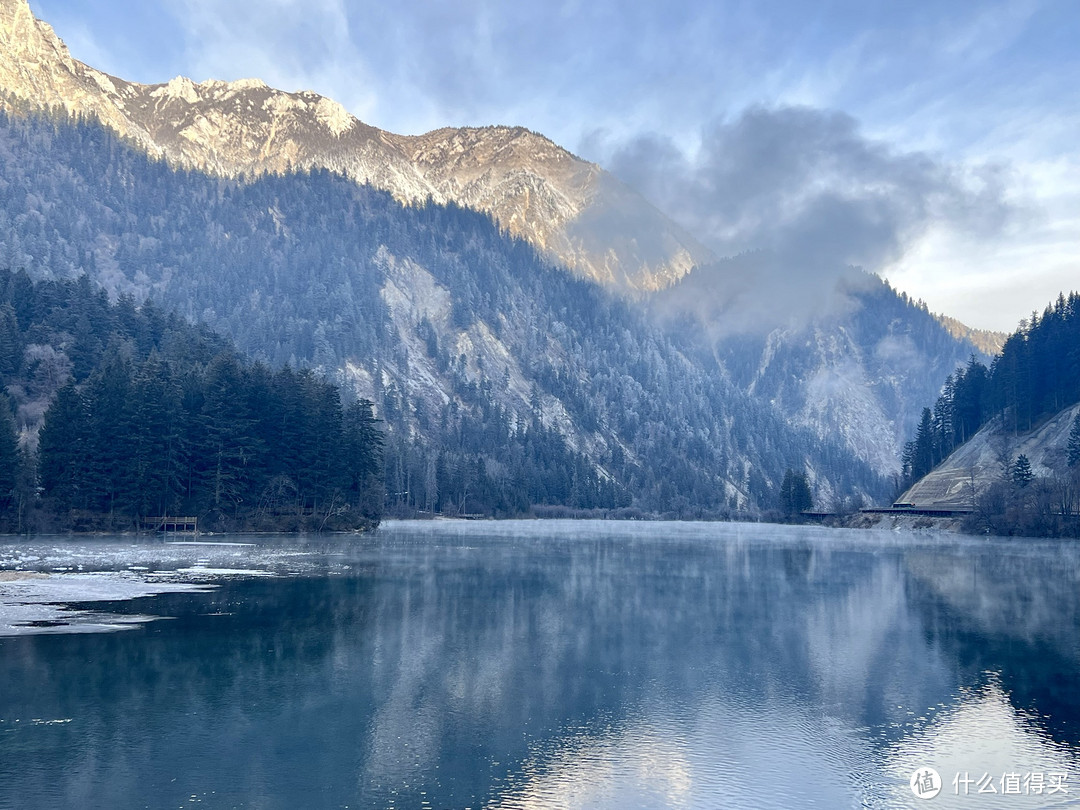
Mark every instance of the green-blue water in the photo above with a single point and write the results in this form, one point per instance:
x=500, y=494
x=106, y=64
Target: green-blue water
x=558, y=664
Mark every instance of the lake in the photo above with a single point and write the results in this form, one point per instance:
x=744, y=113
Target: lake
x=541, y=664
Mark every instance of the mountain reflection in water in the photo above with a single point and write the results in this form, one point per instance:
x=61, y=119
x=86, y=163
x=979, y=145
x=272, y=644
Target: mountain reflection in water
x=558, y=664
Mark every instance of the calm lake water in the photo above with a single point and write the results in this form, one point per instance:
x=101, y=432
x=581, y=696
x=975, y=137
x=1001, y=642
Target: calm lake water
x=550, y=665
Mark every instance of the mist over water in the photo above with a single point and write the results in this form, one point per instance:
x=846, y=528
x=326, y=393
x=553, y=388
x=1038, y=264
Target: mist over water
x=554, y=664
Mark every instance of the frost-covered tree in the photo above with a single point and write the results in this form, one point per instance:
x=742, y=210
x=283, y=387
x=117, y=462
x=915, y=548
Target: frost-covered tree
x=9, y=456
x=1074, y=443
x=519, y=356
x=1021, y=471
x=795, y=496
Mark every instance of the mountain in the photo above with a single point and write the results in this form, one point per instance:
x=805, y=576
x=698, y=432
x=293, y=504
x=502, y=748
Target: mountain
x=855, y=372
x=503, y=381
x=974, y=467
x=848, y=358
x=568, y=208
x=986, y=341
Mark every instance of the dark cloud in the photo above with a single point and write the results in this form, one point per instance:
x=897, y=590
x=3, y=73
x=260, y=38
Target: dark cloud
x=807, y=186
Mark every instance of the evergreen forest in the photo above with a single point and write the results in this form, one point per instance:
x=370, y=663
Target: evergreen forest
x=1036, y=375
x=128, y=414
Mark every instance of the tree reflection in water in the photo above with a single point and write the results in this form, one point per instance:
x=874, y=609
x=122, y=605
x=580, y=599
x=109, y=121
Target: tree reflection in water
x=539, y=664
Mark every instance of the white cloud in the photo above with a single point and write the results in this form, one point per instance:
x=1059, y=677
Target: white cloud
x=996, y=279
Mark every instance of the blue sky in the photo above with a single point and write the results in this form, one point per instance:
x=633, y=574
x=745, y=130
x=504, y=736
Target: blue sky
x=932, y=142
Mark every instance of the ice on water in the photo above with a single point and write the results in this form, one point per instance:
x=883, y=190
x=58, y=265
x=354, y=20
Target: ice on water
x=40, y=604
x=42, y=579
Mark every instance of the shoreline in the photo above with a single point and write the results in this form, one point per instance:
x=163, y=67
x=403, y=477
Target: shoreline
x=855, y=520
x=900, y=522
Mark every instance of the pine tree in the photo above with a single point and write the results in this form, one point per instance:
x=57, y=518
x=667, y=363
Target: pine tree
x=919, y=455
x=967, y=404
x=795, y=496
x=110, y=445
x=803, y=499
x=63, y=450
x=11, y=347
x=232, y=449
x=323, y=431
x=9, y=459
x=362, y=456
x=1074, y=442
x=154, y=481
x=1021, y=472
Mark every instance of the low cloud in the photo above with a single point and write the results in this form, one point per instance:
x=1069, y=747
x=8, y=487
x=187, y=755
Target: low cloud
x=807, y=186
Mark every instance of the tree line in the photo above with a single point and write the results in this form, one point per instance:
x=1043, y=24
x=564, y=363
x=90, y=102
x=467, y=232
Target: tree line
x=116, y=414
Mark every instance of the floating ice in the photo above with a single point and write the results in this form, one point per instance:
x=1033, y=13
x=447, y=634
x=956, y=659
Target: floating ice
x=199, y=570
x=36, y=603
x=41, y=579
x=207, y=543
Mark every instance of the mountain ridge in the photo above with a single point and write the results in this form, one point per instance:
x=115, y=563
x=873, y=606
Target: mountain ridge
x=988, y=341
x=858, y=368
x=535, y=189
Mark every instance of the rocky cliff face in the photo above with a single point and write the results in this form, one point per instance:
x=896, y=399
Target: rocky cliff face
x=35, y=66
x=485, y=364
x=569, y=208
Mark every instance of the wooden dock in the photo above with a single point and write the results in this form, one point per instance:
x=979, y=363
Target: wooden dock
x=167, y=524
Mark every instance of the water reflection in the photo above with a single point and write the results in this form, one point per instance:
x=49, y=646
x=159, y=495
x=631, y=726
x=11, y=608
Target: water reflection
x=976, y=744
x=564, y=665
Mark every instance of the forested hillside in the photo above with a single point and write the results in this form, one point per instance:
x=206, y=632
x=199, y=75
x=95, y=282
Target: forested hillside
x=566, y=207
x=503, y=381
x=126, y=413
x=1036, y=375
x=1009, y=434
